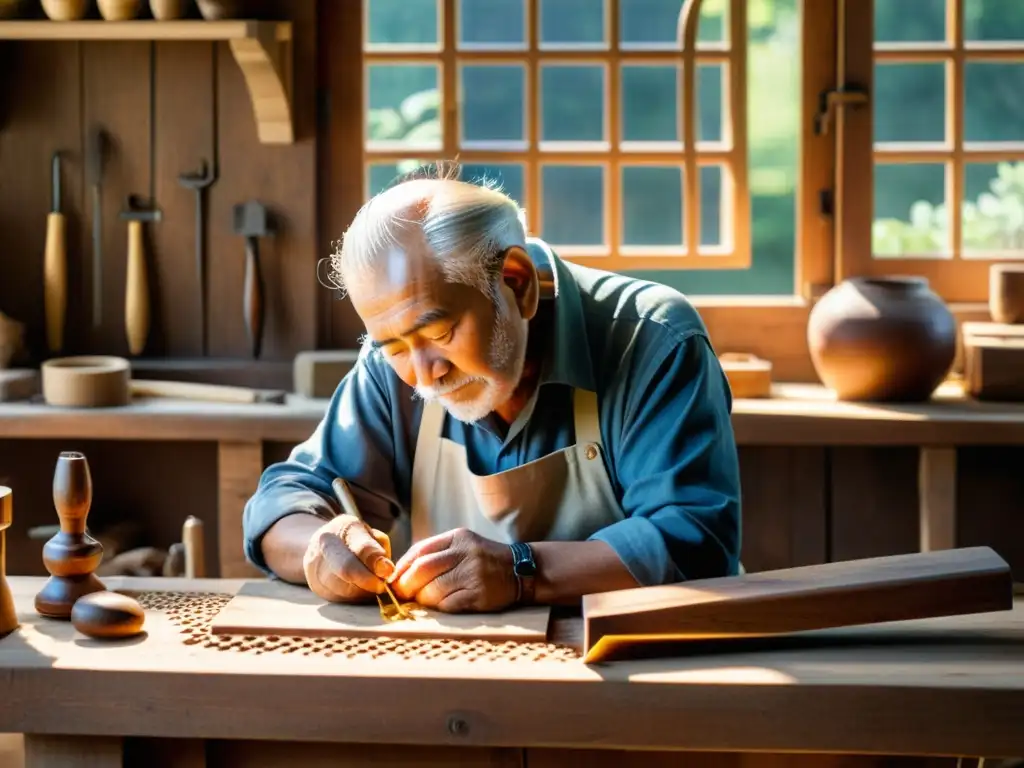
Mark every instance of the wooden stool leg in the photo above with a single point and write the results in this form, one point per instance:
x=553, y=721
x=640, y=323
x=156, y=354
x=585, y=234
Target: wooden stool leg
x=51, y=751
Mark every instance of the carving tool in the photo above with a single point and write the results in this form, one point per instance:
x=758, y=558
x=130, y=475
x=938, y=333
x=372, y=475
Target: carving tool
x=94, y=155
x=251, y=222
x=198, y=182
x=55, y=266
x=136, y=300
x=348, y=503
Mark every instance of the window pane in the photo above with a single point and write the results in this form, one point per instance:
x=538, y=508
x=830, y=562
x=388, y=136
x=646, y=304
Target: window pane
x=910, y=210
x=493, y=103
x=572, y=23
x=509, y=177
x=650, y=103
x=380, y=175
x=572, y=102
x=712, y=204
x=993, y=106
x=910, y=102
x=652, y=206
x=710, y=100
x=993, y=20
x=993, y=209
x=572, y=201
x=401, y=22
x=655, y=23
x=910, y=21
x=492, y=23
x=404, y=105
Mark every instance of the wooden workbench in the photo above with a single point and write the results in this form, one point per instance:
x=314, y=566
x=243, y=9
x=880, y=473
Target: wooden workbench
x=945, y=687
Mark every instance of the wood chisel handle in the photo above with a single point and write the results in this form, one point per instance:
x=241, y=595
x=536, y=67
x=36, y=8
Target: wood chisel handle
x=136, y=303
x=55, y=279
x=253, y=297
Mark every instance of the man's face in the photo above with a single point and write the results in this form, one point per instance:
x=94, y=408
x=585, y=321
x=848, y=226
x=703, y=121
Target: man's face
x=447, y=341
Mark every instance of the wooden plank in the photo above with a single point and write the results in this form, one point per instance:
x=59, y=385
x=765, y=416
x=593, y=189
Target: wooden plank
x=116, y=96
x=867, y=591
x=282, y=178
x=936, y=481
x=276, y=608
x=143, y=29
x=43, y=115
x=239, y=466
x=784, y=506
x=185, y=128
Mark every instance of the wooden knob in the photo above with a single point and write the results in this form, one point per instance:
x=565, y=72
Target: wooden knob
x=106, y=615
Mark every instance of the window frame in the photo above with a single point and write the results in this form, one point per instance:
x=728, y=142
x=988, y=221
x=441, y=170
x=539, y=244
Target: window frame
x=772, y=327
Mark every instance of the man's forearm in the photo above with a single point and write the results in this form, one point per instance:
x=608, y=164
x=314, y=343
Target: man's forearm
x=284, y=545
x=567, y=570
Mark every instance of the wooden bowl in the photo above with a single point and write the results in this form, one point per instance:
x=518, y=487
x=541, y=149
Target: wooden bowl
x=1006, y=293
x=119, y=10
x=167, y=10
x=66, y=10
x=214, y=10
x=86, y=381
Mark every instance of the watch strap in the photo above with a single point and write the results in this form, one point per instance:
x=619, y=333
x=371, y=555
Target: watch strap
x=525, y=569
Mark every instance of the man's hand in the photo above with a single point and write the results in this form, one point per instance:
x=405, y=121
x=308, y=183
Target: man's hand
x=347, y=561
x=457, y=572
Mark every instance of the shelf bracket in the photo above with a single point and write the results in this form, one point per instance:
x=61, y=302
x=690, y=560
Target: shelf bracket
x=265, y=59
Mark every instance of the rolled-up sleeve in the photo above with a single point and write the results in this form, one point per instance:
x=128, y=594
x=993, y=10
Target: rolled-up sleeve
x=677, y=465
x=354, y=441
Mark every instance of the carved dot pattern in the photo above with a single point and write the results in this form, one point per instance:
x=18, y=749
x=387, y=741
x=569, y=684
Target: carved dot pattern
x=192, y=613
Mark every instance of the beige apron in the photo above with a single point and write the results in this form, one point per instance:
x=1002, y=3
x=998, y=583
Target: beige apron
x=564, y=496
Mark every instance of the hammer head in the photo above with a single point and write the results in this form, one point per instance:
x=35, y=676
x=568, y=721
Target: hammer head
x=251, y=219
x=136, y=210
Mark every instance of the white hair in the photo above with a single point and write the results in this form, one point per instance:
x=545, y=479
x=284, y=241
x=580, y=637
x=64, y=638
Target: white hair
x=466, y=227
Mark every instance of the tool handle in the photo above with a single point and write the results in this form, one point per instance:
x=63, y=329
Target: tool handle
x=55, y=280
x=253, y=297
x=136, y=300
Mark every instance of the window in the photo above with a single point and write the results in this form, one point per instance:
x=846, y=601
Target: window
x=579, y=110
x=945, y=124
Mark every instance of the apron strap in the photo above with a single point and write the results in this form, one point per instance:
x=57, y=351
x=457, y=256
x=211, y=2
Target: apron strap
x=424, y=465
x=585, y=413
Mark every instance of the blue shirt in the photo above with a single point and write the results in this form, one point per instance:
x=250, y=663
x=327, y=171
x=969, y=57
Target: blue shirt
x=664, y=419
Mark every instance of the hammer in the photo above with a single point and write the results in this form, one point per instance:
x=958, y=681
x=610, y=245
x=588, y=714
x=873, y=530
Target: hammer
x=250, y=221
x=136, y=300
x=199, y=181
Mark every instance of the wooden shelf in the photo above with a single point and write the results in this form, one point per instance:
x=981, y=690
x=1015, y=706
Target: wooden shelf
x=262, y=49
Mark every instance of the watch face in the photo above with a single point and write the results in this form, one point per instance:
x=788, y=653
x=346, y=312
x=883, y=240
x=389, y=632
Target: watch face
x=526, y=568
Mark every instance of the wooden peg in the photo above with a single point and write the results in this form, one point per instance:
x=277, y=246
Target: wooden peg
x=195, y=553
x=8, y=614
x=72, y=555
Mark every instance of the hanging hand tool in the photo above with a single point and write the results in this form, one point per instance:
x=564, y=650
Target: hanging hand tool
x=55, y=266
x=199, y=182
x=94, y=152
x=251, y=222
x=136, y=300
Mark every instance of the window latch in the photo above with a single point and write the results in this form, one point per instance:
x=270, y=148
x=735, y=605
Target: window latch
x=829, y=101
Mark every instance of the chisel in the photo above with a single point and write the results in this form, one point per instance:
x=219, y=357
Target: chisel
x=55, y=266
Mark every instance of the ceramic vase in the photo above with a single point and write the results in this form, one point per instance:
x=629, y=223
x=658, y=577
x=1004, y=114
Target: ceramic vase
x=885, y=339
x=66, y=10
x=168, y=10
x=214, y=10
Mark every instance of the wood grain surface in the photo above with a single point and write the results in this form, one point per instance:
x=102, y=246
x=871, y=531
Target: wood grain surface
x=276, y=608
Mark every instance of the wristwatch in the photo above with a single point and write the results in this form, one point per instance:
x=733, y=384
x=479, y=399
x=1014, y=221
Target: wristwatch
x=525, y=569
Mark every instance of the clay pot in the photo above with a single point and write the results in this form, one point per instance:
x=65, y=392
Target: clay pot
x=119, y=10
x=66, y=10
x=1006, y=293
x=882, y=339
x=214, y=10
x=167, y=10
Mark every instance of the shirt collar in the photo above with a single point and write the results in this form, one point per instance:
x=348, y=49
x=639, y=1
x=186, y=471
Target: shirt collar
x=568, y=357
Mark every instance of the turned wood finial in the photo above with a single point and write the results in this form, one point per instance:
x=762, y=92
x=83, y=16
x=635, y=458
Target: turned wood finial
x=8, y=614
x=72, y=555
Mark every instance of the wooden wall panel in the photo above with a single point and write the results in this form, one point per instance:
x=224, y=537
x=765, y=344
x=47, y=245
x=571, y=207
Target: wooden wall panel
x=185, y=137
x=990, y=500
x=784, y=507
x=284, y=179
x=42, y=115
x=116, y=95
x=874, y=502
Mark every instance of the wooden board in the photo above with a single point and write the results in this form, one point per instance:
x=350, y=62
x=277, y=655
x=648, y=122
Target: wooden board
x=994, y=361
x=275, y=608
x=867, y=591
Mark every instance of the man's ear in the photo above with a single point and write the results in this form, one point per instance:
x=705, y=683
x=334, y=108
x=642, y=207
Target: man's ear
x=520, y=274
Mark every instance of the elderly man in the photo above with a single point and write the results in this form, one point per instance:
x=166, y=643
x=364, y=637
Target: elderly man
x=517, y=429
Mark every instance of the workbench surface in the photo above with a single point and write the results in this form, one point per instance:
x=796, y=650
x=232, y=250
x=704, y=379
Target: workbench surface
x=938, y=687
